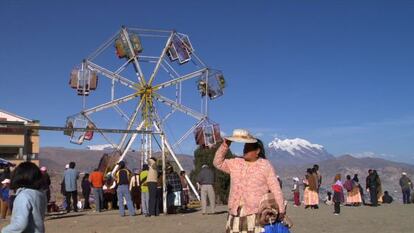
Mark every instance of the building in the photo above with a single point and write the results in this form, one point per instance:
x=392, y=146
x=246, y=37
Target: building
x=17, y=143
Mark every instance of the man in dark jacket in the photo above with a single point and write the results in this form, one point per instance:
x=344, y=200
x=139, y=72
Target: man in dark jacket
x=123, y=178
x=406, y=187
x=372, y=187
x=45, y=186
x=205, y=182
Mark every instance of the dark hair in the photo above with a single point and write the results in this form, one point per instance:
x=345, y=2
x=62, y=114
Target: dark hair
x=182, y=172
x=72, y=165
x=145, y=166
x=26, y=175
x=348, y=177
x=254, y=146
x=121, y=164
x=316, y=167
x=262, y=153
x=86, y=176
x=309, y=170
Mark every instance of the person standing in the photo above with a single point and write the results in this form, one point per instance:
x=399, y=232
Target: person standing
x=372, y=187
x=205, y=182
x=45, y=182
x=361, y=190
x=406, y=186
x=109, y=193
x=310, y=194
x=318, y=176
x=174, y=190
x=295, y=190
x=71, y=177
x=144, y=190
x=5, y=198
x=251, y=179
x=135, y=189
x=152, y=182
x=29, y=209
x=379, y=188
x=338, y=196
x=123, y=177
x=97, y=180
x=185, y=194
x=353, y=197
x=86, y=191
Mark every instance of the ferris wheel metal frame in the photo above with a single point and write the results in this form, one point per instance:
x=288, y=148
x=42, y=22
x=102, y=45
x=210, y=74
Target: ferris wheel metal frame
x=147, y=92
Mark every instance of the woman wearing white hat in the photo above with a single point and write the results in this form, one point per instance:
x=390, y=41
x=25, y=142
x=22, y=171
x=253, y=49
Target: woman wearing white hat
x=252, y=177
x=4, y=198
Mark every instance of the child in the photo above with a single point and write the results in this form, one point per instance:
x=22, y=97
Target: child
x=5, y=198
x=338, y=197
x=328, y=200
x=295, y=191
x=30, y=203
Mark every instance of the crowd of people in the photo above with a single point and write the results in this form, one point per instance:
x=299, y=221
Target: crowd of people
x=25, y=193
x=137, y=190
x=348, y=192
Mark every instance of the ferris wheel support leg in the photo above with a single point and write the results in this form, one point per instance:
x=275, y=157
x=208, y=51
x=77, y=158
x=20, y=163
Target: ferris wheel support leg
x=164, y=185
x=168, y=146
x=126, y=149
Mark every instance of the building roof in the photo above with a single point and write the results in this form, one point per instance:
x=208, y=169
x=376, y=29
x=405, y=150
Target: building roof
x=13, y=117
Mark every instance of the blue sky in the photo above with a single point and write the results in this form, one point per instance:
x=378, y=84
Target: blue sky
x=337, y=73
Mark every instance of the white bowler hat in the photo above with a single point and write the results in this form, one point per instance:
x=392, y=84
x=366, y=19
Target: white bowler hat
x=241, y=135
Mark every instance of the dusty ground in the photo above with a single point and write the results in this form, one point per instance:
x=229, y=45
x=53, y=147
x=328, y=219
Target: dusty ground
x=384, y=219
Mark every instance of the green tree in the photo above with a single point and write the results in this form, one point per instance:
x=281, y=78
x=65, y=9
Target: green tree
x=205, y=155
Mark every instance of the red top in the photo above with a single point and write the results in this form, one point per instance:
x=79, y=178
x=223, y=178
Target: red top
x=96, y=178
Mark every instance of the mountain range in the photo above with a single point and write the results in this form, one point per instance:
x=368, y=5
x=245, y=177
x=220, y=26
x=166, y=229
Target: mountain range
x=290, y=157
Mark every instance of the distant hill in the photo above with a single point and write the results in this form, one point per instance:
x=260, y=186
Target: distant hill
x=55, y=158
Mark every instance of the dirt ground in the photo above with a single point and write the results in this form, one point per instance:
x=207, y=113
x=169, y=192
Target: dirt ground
x=384, y=219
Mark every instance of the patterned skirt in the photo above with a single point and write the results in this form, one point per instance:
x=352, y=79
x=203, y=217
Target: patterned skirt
x=245, y=224
x=310, y=197
x=354, y=196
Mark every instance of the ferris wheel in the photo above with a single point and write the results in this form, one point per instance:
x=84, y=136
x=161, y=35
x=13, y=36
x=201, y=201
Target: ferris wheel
x=146, y=78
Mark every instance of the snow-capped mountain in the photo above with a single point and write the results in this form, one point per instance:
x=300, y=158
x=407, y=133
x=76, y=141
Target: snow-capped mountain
x=296, y=151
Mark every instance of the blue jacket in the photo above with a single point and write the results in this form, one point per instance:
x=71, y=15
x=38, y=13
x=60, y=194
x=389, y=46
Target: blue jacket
x=28, y=213
x=5, y=194
x=71, y=177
